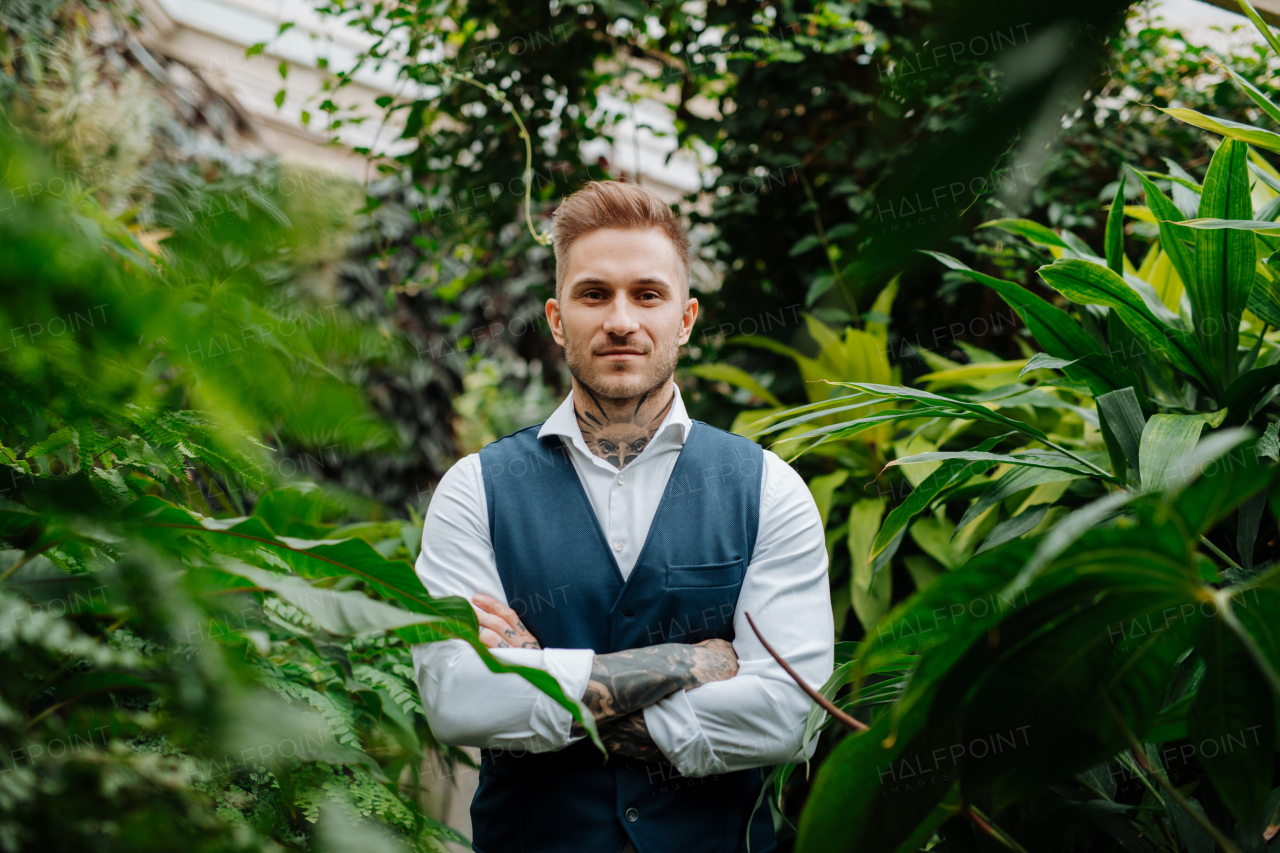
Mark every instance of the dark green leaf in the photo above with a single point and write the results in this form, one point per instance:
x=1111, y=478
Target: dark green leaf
x=1247, y=389
x=1233, y=721
x=1115, y=232
x=1012, y=528
x=1125, y=421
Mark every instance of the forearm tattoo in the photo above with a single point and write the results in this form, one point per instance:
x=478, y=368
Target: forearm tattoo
x=629, y=737
x=627, y=681
x=624, y=682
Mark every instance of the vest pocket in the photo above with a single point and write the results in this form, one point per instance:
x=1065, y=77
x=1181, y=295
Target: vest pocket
x=706, y=575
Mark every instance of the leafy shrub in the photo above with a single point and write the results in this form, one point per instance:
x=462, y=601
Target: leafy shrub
x=1113, y=618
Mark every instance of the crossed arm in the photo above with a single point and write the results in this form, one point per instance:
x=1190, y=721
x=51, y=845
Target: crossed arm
x=623, y=683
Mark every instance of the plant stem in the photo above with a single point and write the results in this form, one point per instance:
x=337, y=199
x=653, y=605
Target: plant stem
x=826, y=704
x=492, y=91
x=1139, y=773
x=1079, y=459
x=985, y=824
x=1204, y=540
x=1224, y=842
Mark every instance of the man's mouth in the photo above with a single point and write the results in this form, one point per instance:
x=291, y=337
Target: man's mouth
x=620, y=353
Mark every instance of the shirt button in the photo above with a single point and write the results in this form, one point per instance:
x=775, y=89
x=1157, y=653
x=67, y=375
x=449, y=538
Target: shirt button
x=632, y=815
x=617, y=546
x=622, y=478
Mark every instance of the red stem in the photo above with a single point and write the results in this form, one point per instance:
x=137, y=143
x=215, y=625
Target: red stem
x=826, y=704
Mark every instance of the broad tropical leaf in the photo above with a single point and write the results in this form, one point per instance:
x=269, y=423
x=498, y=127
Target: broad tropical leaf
x=1090, y=284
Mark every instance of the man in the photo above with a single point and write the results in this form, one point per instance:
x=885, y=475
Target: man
x=618, y=546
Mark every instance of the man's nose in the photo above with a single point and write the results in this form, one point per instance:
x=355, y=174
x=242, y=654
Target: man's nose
x=620, y=320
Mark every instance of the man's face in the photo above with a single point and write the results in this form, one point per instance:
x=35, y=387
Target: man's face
x=622, y=313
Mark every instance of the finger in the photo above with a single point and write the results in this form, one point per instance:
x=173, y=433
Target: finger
x=509, y=616
x=486, y=602
x=502, y=611
x=498, y=626
x=493, y=639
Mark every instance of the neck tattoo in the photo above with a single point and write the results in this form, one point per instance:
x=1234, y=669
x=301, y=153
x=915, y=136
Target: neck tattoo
x=618, y=433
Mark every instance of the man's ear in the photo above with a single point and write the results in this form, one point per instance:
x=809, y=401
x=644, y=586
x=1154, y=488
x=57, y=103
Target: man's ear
x=553, y=320
x=689, y=318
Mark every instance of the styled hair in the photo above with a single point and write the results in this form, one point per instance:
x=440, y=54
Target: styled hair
x=613, y=204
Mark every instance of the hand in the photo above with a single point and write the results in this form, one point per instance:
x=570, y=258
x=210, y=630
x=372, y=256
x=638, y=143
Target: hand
x=500, y=627
x=714, y=660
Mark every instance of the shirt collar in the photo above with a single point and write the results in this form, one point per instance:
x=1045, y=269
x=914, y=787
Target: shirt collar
x=563, y=421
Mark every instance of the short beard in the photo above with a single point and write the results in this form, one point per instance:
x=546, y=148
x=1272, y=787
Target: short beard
x=660, y=369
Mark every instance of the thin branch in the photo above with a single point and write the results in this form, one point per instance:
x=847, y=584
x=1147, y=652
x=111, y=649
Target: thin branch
x=823, y=702
x=1204, y=540
x=988, y=826
x=492, y=91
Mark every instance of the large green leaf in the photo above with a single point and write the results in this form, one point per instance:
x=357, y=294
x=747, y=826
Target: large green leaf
x=251, y=540
x=1115, y=231
x=1247, y=389
x=345, y=614
x=1225, y=258
x=1012, y=482
x=1224, y=127
x=1031, y=458
x=1088, y=283
x=1261, y=25
x=944, y=618
x=1173, y=237
x=845, y=798
x=1166, y=442
x=1232, y=721
x=1124, y=421
x=1255, y=94
x=1034, y=698
x=1054, y=329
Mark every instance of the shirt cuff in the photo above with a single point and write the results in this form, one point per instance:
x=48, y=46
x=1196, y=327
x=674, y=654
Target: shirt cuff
x=675, y=730
x=571, y=668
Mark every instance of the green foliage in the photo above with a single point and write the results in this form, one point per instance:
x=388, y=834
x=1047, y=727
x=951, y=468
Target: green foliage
x=197, y=651
x=1132, y=631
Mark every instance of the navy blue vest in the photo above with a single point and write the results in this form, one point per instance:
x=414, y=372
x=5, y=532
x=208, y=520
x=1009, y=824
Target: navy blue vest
x=560, y=575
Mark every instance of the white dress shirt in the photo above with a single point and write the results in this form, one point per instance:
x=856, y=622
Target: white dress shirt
x=755, y=718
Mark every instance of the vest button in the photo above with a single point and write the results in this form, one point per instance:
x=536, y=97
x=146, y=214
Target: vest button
x=632, y=815
x=628, y=613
